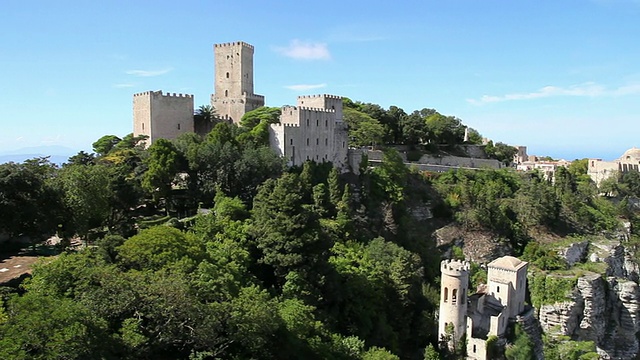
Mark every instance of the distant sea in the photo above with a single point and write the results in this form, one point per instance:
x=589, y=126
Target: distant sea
x=57, y=154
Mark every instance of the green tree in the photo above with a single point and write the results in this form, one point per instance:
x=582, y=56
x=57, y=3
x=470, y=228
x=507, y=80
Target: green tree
x=105, y=144
x=81, y=158
x=88, y=194
x=363, y=129
x=414, y=128
x=163, y=162
x=31, y=202
x=286, y=230
x=43, y=327
x=269, y=115
x=501, y=152
x=522, y=347
x=444, y=129
x=159, y=247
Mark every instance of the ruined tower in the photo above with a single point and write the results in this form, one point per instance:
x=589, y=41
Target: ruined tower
x=453, y=300
x=233, y=81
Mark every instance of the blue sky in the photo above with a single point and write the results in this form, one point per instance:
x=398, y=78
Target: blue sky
x=562, y=77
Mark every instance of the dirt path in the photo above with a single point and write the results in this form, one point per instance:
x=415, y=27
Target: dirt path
x=15, y=266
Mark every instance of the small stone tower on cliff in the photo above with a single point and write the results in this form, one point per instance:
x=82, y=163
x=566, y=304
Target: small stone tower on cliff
x=453, y=300
x=233, y=81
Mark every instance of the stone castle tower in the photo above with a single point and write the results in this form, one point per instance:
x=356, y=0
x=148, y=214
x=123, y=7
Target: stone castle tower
x=159, y=115
x=233, y=81
x=312, y=130
x=453, y=299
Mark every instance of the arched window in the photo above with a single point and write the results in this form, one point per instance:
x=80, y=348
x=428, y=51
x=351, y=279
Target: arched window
x=317, y=122
x=454, y=296
x=317, y=141
x=290, y=141
x=497, y=288
x=142, y=126
x=446, y=294
x=307, y=141
x=326, y=142
x=227, y=74
x=226, y=93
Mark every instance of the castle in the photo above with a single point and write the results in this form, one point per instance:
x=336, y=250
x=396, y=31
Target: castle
x=311, y=130
x=485, y=313
x=599, y=170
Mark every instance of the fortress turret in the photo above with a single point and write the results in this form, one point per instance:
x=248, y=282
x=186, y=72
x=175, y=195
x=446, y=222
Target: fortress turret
x=453, y=300
x=233, y=82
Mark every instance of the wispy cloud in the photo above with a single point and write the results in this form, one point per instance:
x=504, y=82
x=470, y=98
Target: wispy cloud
x=148, y=73
x=305, y=87
x=123, y=85
x=19, y=139
x=305, y=50
x=589, y=89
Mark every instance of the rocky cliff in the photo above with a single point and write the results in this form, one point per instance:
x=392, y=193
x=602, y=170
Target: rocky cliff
x=603, y=308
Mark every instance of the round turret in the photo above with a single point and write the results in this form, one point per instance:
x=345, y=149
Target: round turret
x=454, y=284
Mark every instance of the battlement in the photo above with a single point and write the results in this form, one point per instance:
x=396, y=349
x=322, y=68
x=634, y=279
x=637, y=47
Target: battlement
x=159, y=93
x=327, y=96
x=235, y=43
x=454, y=267
x=287, y=125
x=305, y=108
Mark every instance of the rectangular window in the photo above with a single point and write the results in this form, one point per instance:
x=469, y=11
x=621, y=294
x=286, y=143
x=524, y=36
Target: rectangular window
x=290, y=141
x=307, y=141
x=178, y=126
x=317, y=141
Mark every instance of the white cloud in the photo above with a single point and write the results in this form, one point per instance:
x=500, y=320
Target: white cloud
x=305, y=87
x=305, y=50
x=123, y=85
x=589, y=89
x=148, y=73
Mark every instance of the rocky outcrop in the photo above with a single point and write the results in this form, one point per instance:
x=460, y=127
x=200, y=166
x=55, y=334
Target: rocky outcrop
x=592, y=289
x=477, y=246
x=604, y=309
x=531, y=326
x=575, y=253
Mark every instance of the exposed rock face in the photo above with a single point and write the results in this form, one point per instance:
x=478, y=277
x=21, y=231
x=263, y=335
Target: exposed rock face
x=477, y=246
x=575, y=253
x=605, y=311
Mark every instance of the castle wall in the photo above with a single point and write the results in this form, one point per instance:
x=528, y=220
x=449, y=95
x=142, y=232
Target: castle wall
x=233, y=81
x=311, y=133
x=329, y=102
x=159, y=115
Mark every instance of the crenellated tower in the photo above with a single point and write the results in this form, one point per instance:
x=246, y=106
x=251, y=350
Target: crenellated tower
x=233, y=81
x=453, y=300
x=159, y=115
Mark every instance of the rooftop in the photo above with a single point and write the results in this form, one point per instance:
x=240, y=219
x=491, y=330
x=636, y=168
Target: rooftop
x=508, y=263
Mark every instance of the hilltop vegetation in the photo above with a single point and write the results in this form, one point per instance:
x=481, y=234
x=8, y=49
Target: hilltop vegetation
x=285, y=264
